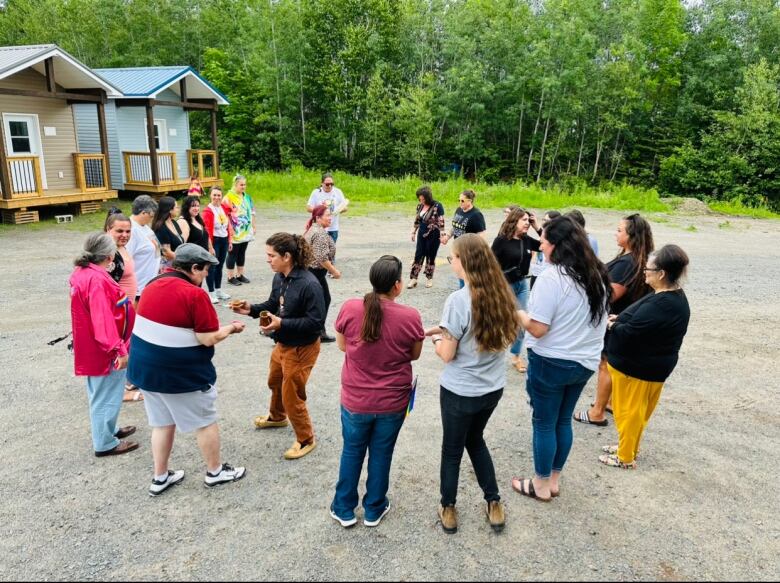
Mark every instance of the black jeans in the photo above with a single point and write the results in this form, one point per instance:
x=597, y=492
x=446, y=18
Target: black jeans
x=237, y=256
x=320, y=274
x=214, y=276
x=463, y=421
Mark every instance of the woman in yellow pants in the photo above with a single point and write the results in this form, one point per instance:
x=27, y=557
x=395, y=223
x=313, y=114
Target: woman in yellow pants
x=644, y=345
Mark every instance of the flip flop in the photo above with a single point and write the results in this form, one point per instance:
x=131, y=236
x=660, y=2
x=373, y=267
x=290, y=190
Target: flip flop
x=530, y=492
x=131, y=396
x=582, y=417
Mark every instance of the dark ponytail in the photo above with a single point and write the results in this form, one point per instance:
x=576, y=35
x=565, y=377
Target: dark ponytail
x=385, y=273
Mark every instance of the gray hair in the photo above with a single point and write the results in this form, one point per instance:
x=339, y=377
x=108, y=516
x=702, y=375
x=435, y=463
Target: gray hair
x=144, y=204
x=97, y=248
x=238, y=177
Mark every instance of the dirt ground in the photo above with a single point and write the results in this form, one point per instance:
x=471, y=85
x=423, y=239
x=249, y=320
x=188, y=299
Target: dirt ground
x=702, y=505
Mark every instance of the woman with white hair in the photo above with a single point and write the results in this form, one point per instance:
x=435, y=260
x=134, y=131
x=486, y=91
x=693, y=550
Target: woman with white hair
x=102, y=319
x=244, y=229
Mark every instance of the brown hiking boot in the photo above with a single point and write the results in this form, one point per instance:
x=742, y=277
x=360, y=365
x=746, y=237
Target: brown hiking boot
x=495, y=515
x=449, y=519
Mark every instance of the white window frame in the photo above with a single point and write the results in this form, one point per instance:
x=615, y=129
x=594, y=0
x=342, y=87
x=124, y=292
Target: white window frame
x=35, y=138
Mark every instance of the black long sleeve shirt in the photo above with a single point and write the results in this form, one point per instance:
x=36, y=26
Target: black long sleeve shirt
x=299, y=301
x=645, y=340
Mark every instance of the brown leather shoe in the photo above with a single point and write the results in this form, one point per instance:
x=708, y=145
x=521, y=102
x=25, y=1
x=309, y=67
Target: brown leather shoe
x=298, y=451
x=123, y=432
x=449, y=519
x=495, y=515
x=123, y=447
x=265, y=422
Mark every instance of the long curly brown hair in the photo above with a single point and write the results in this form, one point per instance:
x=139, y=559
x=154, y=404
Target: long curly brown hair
x=494, y=317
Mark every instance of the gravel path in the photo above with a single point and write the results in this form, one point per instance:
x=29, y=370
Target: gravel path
x=702, y=504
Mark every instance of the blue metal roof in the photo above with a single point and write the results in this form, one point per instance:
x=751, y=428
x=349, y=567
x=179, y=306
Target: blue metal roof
x=148, y=81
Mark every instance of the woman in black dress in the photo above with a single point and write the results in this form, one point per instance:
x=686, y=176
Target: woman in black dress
x=192, y=226
x=167, y=230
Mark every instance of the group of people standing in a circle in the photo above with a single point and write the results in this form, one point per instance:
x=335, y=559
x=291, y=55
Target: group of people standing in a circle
x=624, y=321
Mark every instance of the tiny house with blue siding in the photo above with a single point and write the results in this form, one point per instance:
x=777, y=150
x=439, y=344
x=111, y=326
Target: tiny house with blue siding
x=149, y=131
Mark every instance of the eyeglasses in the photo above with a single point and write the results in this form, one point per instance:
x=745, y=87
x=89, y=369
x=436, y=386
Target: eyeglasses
x=326, y=184
x=450, y=258
x=463, y=200
x=652, y=269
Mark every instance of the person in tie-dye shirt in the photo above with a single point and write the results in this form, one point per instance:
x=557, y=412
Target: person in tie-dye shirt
x=244, y=229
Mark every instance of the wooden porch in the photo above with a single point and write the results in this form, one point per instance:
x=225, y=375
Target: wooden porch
x=140, y=174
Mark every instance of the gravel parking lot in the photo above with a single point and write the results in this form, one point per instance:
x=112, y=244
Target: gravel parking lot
x=702, y=505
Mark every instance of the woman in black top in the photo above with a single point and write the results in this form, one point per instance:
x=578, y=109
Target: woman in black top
x=426, y=231
x=634, y=237
x=166, y=229
x=467, y=219
x=513, y=247
x=644, y=344
x=192, y=226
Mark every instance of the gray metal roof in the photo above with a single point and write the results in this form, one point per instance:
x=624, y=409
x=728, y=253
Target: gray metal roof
x=146, y=82
x=10, y=57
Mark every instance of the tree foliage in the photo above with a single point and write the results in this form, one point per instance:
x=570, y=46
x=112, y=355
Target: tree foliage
x=681, y=94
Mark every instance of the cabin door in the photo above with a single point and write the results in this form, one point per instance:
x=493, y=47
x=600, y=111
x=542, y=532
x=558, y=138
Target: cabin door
x=23, y=144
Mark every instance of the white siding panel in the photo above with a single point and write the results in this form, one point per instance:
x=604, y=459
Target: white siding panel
x=88, y=134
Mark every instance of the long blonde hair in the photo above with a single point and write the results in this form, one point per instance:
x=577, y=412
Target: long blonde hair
x=493, y=311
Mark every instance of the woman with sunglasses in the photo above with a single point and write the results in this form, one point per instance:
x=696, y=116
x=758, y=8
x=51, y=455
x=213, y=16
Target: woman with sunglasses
x=478, y=323
x=644, y=344
x=467, y=219
x=634, y=237
x=564, y=325
x=331, y=197
x=380, y=339
x=513, y=248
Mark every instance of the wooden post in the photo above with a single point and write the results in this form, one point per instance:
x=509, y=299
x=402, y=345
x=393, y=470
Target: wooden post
x=101, y=113
x=214, y=143
x=152, y=145
x=51, y=85
x=183, y=89
x=5, y=177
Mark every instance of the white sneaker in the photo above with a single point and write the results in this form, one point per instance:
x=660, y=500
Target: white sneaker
x=222, y=295
x=171, y=479
x=377, y=520
x=345, y=522
x=226, y=474
x=214, y=298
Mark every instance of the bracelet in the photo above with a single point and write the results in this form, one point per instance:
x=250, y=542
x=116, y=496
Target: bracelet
x=435, y=340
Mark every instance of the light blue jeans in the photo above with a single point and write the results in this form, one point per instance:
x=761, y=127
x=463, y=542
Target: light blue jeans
x=105, y=399
x=520, y=288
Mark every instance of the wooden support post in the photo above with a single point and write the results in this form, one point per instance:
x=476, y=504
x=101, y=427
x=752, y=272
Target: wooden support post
x=183, y=89
x=5, y=178
x=214, y=141
x=51, y=84
x=101, y=113
x=152, y=146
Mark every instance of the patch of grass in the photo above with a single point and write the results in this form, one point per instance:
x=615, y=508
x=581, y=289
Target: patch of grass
x=725, y=225
x=737, y=208
x=691, y=228
x=290, y=191
x=81, y=223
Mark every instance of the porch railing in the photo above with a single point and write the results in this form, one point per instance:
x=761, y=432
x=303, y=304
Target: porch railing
x=138, y=168
x=204, y=163
x=24, y=175
x=91, y=172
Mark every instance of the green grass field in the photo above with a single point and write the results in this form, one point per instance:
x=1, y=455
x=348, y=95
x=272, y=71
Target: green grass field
x=289, y=191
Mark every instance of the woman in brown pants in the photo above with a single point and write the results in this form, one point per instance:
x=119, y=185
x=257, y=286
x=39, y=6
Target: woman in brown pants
x=295, y=318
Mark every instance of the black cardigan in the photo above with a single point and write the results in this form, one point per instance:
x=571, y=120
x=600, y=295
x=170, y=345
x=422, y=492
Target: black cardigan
x=645, y=340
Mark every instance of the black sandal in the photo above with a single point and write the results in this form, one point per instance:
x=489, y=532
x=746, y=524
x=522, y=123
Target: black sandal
x=530, y=492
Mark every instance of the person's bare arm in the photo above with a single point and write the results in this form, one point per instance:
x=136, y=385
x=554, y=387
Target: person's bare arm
x=533, y=327
x=417, y=350
x=618, y=291
x=212, y=338
x=341, y=342
x=445, y=346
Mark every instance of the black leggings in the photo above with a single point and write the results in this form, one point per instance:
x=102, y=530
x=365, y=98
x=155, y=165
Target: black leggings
x=320, y=274
x=214, y=277
x=463, y=422
x=237, y=256
x=427, y=248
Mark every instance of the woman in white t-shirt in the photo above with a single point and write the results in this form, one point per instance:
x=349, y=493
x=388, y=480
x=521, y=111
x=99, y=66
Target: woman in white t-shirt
x=565, y=325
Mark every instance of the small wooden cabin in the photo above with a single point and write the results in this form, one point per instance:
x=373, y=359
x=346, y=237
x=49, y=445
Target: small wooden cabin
x=40, y=160
x=149, y=131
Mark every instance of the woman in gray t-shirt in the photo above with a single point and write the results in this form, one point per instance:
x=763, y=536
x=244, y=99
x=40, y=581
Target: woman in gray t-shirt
x=479, y=322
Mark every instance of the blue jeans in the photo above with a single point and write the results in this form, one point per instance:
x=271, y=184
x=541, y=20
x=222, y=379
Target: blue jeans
x=521, y=292
x=105, y=399
x=376, y=433
x=554, y=386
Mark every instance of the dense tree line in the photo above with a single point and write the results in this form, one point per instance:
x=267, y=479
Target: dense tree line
x=681, y=94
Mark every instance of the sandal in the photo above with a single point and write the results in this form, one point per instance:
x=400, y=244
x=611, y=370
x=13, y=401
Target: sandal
x=582, y=417
x=529, y=491
x=613, y=461
x=131, y=396
x=609, y=449
x=607, y=409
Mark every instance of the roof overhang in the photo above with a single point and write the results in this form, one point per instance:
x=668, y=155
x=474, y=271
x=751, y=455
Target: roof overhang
x=68, y=72
x=196, y=86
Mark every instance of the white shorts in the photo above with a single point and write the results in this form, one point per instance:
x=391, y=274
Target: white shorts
x=187, y=411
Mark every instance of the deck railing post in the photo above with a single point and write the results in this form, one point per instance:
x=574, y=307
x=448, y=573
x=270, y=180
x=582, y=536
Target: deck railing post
x=152, y=146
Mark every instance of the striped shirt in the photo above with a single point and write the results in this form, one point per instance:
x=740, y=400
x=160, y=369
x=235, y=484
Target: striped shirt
x=165, y=355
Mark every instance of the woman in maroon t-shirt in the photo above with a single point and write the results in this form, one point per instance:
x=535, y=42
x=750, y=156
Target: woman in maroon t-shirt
x=381, y=339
